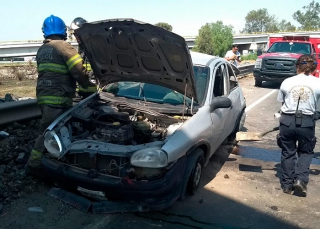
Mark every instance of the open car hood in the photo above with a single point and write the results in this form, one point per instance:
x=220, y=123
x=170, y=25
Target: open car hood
x=129, y=50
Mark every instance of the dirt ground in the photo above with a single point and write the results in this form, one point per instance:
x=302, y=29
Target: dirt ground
x=18, y=80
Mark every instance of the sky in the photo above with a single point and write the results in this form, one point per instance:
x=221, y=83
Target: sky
x=22, y=20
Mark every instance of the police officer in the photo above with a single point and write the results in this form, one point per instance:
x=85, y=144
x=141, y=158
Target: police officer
x=299, y=95
x=59, y=68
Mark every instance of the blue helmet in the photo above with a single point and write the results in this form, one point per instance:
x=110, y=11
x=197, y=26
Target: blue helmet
x=54, y=25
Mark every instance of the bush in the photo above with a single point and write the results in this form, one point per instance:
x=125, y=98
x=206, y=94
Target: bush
x=250, y=56
x=17, y=73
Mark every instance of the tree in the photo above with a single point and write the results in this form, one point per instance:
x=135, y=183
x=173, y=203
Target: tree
x=272, y=25
x=309, y=20
x=214, y=39
x=257, y=21
x=164, y=25
x=204, y=41
x=285, y=26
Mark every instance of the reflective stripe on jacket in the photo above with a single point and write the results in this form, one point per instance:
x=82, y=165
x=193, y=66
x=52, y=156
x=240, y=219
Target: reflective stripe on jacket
x=59, y=68
x=87, y=66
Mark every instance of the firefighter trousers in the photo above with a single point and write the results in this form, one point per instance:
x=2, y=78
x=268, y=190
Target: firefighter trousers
x=49, y=114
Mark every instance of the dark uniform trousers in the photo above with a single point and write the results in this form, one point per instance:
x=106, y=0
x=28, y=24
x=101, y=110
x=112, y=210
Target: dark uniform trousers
x=297, y=143
x=49, y=114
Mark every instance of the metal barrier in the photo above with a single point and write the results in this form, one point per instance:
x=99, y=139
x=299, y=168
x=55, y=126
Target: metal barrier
x=19, y=110
x=246, y=69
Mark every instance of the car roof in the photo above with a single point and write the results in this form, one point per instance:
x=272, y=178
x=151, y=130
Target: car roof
x=202, y=59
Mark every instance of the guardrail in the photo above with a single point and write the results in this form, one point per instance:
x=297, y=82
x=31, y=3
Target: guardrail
x=19, y=110
x=245, y=69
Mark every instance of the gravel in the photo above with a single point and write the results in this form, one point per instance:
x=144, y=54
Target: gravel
x=14, y=152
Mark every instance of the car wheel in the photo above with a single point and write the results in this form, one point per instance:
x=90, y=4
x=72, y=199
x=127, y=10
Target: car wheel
x=192, y=174
x=258, y=83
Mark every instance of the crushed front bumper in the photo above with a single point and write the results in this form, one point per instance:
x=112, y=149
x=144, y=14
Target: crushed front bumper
x=152, y=195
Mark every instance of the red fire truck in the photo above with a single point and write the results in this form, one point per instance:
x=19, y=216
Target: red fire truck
x=278, y=63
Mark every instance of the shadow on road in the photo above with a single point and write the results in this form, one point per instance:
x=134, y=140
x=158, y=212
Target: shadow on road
x=208, y=209
x=271, y=85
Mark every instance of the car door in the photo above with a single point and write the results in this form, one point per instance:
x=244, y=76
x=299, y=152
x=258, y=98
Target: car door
x=234, y=95
x=220, y=115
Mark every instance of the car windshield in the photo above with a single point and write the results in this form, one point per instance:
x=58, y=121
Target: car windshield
x=291, y=47
x=159, y=94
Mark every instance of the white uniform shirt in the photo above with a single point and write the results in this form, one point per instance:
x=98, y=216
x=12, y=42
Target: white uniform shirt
x=307, y=87
x=230, y=54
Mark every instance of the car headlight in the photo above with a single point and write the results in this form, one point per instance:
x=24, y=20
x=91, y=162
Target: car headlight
x=52, y=143
x=153, y=157
x=258, y=63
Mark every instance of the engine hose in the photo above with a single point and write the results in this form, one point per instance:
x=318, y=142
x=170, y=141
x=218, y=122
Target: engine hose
x=269, y=131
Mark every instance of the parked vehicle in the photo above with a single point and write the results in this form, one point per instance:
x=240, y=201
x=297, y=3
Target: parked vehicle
x=278, y=63
x=161, y=114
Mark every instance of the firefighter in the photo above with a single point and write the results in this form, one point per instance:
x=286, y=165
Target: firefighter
x=59, y=68
x=76, y=24
x=299, y=95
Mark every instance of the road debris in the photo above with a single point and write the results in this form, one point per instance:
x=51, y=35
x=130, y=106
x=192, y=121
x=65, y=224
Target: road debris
x=275, y=208
x=248, y=136
x=98, y=207
x=35, y=209
x=4, y=134
x=21, y=157
x=253, y=136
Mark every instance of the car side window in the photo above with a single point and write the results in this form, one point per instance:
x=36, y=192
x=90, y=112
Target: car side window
x=232, y=78
x=218, y=88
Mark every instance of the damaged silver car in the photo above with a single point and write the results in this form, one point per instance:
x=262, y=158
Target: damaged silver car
x=160, y=114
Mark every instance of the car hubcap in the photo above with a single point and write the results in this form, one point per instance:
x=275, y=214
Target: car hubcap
x=197, y=175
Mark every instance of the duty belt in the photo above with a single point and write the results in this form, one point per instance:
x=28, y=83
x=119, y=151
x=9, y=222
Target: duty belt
x=304, y=115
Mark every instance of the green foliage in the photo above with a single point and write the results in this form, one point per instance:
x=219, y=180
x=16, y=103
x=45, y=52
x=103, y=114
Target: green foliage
x=286, y=26
x=310, y=19
x=164, y=25
x=204, y=41
x=250, y=56
x=214, y=39
x=259, y=21
x=256, y=21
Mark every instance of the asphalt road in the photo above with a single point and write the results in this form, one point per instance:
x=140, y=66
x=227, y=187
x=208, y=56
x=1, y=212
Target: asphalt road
x=238, y=190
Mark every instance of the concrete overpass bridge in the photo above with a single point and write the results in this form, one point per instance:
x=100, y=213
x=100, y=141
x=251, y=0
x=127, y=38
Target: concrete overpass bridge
x=245, y=42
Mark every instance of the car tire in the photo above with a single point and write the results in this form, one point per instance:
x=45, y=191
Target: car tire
x=258, y=83
x=192, y=174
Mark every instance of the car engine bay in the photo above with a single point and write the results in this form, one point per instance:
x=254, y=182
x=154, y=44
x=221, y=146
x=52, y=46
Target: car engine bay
x=102, y=135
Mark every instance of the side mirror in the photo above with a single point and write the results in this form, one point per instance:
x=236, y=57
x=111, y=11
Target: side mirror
x=220, y=102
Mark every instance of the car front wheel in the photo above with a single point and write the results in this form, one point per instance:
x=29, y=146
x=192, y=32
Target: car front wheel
x=192, y=175
x=258, y=83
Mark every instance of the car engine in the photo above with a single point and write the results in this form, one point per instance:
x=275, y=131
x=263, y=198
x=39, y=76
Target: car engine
x=124, y=126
